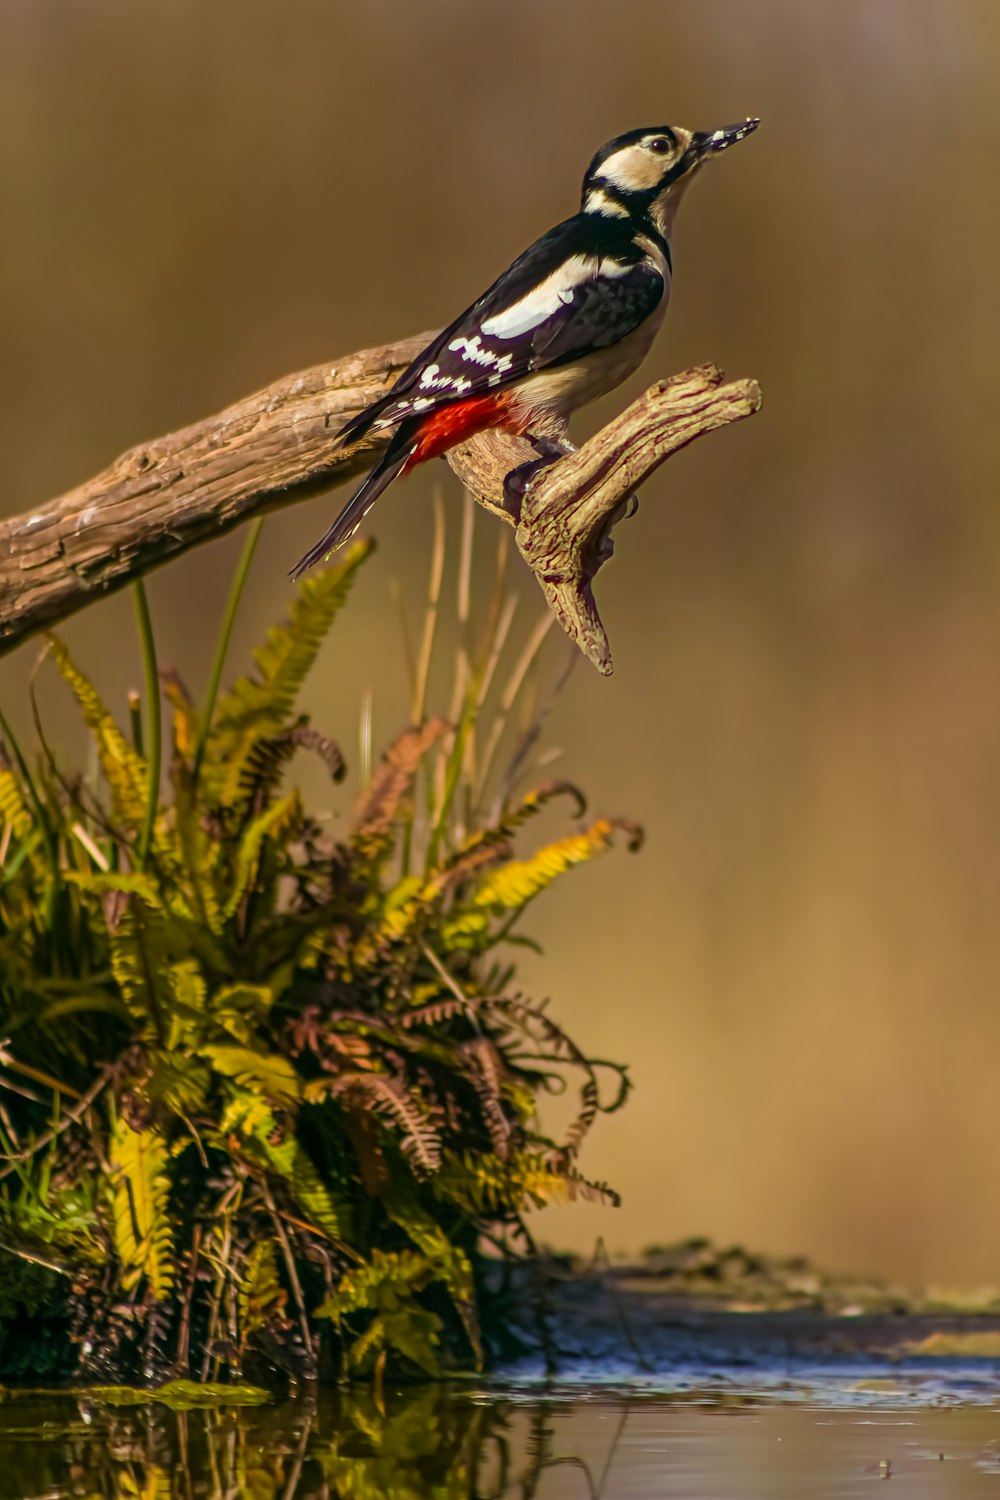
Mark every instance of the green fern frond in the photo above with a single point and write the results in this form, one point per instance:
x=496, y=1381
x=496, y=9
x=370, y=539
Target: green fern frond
x=177, y=1082
x=387, y=1286
x=261, y=1298
x=141, y=1226
x=450, y=1263
x=259, y=706
x=281, y=817
x=238, y=1009
x=265, y=1073
x=484, y=1186
x=275, y=1146
x=201, y=857
x=140, y=958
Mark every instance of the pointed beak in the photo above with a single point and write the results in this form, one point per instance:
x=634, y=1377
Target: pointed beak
x=708, y=142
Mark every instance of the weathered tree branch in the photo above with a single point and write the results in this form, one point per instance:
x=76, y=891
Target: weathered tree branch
x=279, y=444
x=564, y=528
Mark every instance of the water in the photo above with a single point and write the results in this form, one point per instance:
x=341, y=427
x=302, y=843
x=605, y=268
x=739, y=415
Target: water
x=935, y=1435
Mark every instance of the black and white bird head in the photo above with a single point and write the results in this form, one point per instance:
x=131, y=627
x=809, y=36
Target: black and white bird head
x=643, y=173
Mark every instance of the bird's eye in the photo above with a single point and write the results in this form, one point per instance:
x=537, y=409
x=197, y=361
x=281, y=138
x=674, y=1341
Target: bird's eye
x=659, y=145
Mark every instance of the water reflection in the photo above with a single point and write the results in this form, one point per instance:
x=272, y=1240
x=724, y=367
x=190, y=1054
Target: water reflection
x=437, y=1443
x=415, y=1444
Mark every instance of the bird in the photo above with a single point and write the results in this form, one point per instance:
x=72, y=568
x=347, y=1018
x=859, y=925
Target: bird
x=570, y=319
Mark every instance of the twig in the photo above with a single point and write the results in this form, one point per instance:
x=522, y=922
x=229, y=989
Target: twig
x=148, y=643
x=608, y=1281
x=293, y=1276
x=184, y=1333
x=222, y=647
x=71, y=1117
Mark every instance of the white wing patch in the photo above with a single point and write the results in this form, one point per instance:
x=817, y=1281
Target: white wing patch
x=543, y=300
x=472, y=349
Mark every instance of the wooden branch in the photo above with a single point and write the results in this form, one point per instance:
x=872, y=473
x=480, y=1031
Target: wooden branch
x=161, y=498
x=564, y=528
x=278, y=445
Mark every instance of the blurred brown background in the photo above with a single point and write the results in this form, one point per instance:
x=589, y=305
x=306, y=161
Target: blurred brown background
x=803, y=967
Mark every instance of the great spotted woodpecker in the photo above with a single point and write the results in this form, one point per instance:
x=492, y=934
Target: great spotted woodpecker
x=571, y=319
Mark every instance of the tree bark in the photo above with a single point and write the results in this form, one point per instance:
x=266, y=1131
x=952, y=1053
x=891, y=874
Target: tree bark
x=280, y=444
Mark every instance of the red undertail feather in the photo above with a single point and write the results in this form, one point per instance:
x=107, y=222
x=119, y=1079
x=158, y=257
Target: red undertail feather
x=413, y=443
x=452, y=424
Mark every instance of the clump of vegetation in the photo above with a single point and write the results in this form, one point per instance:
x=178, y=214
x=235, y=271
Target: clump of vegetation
x=267, y=1096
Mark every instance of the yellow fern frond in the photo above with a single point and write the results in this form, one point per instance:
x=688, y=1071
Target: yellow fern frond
x=124, y=770
x=12, y=805
x=512, y=886
x=185, y=725
x=109, y=882
x=142, y=1232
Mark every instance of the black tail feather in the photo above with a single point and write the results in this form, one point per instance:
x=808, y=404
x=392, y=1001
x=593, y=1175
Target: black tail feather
x=392, y=462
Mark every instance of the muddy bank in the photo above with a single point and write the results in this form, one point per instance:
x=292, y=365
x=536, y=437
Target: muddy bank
x=698, y=1309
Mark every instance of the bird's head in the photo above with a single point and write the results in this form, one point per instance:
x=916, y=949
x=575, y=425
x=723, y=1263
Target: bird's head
x=644, y=173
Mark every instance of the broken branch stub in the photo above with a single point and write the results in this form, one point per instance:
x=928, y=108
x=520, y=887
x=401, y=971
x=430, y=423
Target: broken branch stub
x=279, y=445
x=570, y=508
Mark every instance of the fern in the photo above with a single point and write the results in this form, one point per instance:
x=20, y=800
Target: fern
x=281, y=816
x=387, y=1286
x=124, y=770
x=420, y=1139
x=268, y=1144
x=268, y=1074
x=513, y=885
x=13, y=809
x=257, y=707
x=143, y=1236
x=262, y=1298
x=390, y=785
x=310, y=1088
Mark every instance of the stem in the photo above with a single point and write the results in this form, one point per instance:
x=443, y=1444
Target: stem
x=222, y=648
x=135, y=719
x=155, y=731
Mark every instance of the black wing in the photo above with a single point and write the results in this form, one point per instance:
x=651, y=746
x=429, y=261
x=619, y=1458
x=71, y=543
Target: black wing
x=580, y=287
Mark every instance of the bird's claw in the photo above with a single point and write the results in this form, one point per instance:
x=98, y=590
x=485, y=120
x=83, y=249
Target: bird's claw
x=518, y=482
